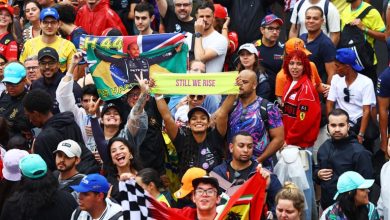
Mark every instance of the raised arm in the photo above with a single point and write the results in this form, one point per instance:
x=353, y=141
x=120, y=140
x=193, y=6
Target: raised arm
x=64, y=92
x=135, y=121
x=162, y=6
x=222, y=114
x=170, y=125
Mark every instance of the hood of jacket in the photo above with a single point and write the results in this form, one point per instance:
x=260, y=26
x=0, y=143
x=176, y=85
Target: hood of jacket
x=60, y=120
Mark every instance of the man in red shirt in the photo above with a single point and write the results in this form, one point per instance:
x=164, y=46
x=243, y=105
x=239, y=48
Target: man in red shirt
x=206, y=196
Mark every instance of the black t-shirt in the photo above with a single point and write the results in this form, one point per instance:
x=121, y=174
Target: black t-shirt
x=173, y=24
x=207, y=154
x=271, y=58
x=239, y=176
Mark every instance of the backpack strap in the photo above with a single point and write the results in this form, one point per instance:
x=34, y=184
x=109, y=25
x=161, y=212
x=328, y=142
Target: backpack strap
x=264, y=112
x=365, y=12
x=326, y=9
x=77, y=213
x=298, y=8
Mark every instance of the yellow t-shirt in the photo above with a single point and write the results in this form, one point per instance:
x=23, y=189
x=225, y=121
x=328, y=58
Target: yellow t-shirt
x=340, y=5
x=64, y=48
x=372, y=21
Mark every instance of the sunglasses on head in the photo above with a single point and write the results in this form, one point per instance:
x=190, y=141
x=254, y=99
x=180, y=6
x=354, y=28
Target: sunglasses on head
x=198, y=97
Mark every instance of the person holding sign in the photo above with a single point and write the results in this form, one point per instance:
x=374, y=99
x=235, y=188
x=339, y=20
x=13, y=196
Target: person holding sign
x=197, y=145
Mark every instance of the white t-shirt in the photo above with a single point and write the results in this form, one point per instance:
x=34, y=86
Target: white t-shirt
x=333, y=16
x=217, y=42
x=361, y=92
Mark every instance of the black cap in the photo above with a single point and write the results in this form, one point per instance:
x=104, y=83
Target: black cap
x=48, y=52
x=196, y=109
x=108, y=106
x=207, y=180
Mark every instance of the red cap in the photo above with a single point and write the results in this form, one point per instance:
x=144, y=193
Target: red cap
x=10, y=9
x=220, y=11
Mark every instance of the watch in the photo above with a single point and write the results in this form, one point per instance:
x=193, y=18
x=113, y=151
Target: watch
x=197, y=35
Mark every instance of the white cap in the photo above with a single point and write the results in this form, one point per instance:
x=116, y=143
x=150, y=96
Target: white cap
x=70, y=147
x=249, y=47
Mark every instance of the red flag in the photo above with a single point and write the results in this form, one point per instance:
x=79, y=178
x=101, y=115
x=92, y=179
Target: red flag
x=248, y=201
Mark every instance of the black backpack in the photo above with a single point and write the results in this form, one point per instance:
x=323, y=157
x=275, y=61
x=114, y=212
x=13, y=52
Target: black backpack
x=354, y=38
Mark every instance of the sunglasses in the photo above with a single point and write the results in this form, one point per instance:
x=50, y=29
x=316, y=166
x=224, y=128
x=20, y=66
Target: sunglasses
x=347, y=96
x=198, y=97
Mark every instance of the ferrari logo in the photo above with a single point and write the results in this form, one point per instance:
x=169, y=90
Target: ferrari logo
x=302, y=115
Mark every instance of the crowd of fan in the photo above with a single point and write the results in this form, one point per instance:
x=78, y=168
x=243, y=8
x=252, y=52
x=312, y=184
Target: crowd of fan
x=305, y=118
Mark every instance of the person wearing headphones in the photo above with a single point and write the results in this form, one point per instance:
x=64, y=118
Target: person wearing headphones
x=341, y=153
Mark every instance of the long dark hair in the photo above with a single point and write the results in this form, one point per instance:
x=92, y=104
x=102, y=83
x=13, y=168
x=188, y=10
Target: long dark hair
x=35, y=194
x=134, y=164
x=347, y=205
x=149, y=175
x=191, y=152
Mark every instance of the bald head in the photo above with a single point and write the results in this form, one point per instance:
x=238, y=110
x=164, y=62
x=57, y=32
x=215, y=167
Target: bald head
x=248, y=84
x=248, y=74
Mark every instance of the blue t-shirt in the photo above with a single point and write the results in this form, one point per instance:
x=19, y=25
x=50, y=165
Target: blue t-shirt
x=322, y=51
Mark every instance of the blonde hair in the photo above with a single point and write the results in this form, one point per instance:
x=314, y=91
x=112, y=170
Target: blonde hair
x=291, y=192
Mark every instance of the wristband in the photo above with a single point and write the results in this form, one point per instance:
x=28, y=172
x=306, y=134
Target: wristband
x=158, y=97
x=366, y=30
x=361, y=134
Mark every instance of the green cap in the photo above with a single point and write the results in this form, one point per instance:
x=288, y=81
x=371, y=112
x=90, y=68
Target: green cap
x=33, y=166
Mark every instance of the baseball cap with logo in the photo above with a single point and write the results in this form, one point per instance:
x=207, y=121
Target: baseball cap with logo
x=70, y=147
x=33, y=166
x=351, y=180
x=48, y=52
x=296, y=44
x=186, y=180
x=14, y=73
x=348, y=56
x=49, y=12
x=92, y=183
x=267, y=20
x=249, y=47
x=11, y=160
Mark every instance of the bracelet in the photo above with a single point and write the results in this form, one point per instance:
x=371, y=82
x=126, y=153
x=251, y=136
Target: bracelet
x=158, y=97
x=224, y=28
x=366, y=30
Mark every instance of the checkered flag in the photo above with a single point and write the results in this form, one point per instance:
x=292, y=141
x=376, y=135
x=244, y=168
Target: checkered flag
x=134, y=201
x=139, y=205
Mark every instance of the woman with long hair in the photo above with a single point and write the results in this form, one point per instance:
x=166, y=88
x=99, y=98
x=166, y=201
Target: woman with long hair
x=121, y=160
x=301, y=114
x=290, y=203
x=8, y=45
x=352, y=199
x=249, y=59
x=32, y=10
x=38, y=196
